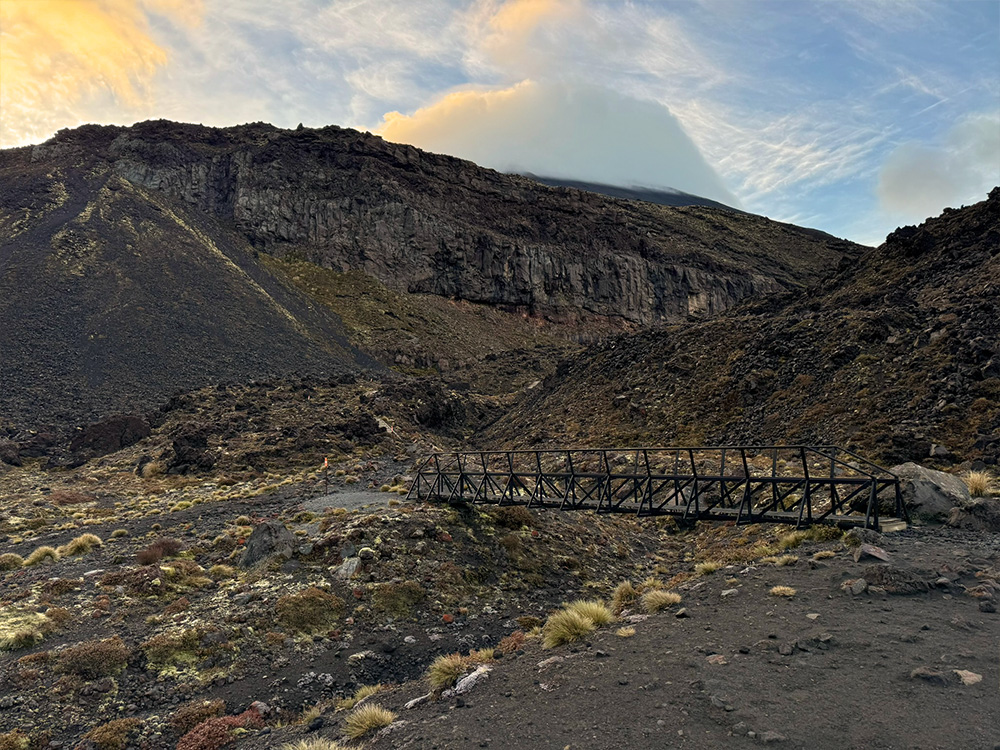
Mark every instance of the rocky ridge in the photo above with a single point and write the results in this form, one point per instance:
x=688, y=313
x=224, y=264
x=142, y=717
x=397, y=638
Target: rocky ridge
x=896, y=356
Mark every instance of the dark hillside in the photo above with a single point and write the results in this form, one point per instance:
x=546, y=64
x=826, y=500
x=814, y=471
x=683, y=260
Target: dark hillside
x=112, y=297
x=892, y=355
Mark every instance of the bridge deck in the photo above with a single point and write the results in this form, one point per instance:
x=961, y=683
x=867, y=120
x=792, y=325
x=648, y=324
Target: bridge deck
x=801, y=485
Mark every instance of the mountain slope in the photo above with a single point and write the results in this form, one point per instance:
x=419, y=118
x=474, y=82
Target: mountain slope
x=421, y=222
x=112, y=296
x=891, y=356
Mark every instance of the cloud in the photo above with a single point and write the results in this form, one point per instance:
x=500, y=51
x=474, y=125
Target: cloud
x=562, y=130
x=919, y=180
x=56, y=55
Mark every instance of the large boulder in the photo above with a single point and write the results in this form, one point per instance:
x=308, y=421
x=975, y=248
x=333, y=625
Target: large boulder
x=979, y=514
x=930, y=495
x=270, y=538
x=110, y=435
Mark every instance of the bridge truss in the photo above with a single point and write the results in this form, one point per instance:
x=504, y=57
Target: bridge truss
x=800, y=485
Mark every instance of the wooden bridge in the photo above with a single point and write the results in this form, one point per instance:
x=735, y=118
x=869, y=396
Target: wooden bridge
x=800, y=485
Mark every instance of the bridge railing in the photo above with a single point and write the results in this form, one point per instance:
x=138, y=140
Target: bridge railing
x=799, y=484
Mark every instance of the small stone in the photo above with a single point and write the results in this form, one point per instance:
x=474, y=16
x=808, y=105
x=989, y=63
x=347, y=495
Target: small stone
x=786, y=649
x=967, y=677
x=315, y=725
x=942, y=581
x=812, y=616
x=409, y=640
x=717, y=659
x=771, y=736
x=856, y=587
x=730, y=592
x=681, y=613
x=929, y=676
x=870, y=550
x=599, y=653
x=366, y=553
x=987, y=606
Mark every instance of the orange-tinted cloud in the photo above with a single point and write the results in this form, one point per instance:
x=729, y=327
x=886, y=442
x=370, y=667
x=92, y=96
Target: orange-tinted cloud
x=55, y=54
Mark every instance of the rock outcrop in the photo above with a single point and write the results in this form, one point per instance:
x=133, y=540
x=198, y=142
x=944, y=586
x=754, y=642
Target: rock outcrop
x=930, y=495
x=420, y=222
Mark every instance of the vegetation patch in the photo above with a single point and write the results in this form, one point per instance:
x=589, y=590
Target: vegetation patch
x=42, y=555
x=787, y=591
x=10, y=561
x=566, y=626
x=21, y=628
x=80, y=545
x=369, y=718
x=93, y=659
x=445, y=670
x=657, y=600
x=397, y=599
x=114, y=735
x=190, y=715
x=309, y=610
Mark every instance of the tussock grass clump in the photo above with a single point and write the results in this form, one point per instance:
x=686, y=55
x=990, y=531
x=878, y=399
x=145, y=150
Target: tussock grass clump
x=80, y=545
x=314, y=743
x=94, y=659
x=221, y=572
x=626, y=632
x=824, y=554
x=152, y=469
x=625, y=594
x=397, y=599
x=595, y=611
x=309, y=610
x=782, y=591
x=566, y=626
x=10, y=561
x=482, y=656
x=42, y=554
x=445, y=670
x=658, y=599
x=163, y=547
x=792, y=540
x=511, y=643
x=978, y=483
x=119, y=533
x=707, y=567
x=369, y=718
x=513, y=516
x=21, y=628
x=114, y=735
x=15, y=740
x=780, y=560
x=365, y=691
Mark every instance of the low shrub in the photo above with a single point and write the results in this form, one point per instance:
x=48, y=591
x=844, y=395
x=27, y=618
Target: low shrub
x=114, y=735
x=70, y=497
x=309, y=610
x=93, y=659
x=163, y=547
x=191, y=714
x=217, y=732
x=513, y=517
x=511, y=643
x=396, y=599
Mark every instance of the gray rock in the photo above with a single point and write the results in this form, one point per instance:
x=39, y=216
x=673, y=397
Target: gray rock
x=268, y=539
x=930, y=495
x=930, y=676
x=347, y=569
x=978, y=514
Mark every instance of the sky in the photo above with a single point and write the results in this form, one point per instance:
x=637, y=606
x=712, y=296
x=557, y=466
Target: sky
x=851, y=116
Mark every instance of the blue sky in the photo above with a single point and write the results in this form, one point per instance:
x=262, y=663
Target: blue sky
x=852, y=116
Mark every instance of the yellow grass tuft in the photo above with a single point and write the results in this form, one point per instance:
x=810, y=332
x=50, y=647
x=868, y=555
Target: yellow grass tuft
x=10, y=561
x=625, y=594
x=566, y=626
x=978, y=483
x=782, y=591
x=314, y=743
x=365, y=691
x=658, y=599
x=780, y=561
x=445, y=670
x=81, y=545
x=42, y=554
x=366, y=719
x=595, y=611
x=626, y=632
x=705, y=568
x=824, y=554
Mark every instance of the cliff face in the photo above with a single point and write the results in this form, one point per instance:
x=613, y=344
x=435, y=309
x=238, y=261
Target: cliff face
x=421, y=222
